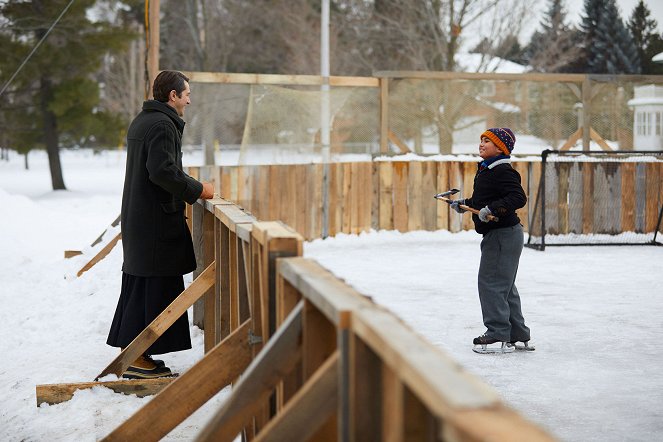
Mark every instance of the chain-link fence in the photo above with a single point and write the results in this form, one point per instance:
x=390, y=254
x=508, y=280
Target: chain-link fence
x=277, y=119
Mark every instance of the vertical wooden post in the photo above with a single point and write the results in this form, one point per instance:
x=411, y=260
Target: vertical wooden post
x=384, y=115
x=152, y=43
x=586, y=111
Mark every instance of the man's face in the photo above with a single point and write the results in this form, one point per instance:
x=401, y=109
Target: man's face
x=179, y=103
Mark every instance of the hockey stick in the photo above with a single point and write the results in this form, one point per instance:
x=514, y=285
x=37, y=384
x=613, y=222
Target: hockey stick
x=443, y=196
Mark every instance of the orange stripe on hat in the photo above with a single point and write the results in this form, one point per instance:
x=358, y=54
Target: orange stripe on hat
x=495, y=139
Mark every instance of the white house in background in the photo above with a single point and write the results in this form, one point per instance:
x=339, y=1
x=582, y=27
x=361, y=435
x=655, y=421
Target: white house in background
x=647, y=105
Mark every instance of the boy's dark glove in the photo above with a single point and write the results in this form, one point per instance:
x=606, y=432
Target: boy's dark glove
x=484, y=214
x=456, y=206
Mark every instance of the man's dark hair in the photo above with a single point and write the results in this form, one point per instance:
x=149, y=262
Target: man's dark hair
x=168, y=81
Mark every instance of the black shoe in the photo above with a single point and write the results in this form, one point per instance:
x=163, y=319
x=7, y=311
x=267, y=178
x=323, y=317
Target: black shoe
x=157, y=362
x=144, y=373
x=144, y=368
x=484, y=339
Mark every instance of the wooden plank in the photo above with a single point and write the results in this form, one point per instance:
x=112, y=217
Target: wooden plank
x=535, y=183
x=314, y=203
x=187, y=393
x=440, y=383
x=298, y=189
x=386, y=210
x=393, y=411
x=161, y=323
x=233, y=281
x=419, y=424
x=652, y=181
x=57, y=393
x=551, y=198
x=71, y=253
x=415, y=203
x=498, y=424
x=318, y=344
x=258, y=380
x=313, y=404
x=627, y=214
x=400, y=175
x=366, y=400
x=231, y=215
x=335, y=198
x=375, y=195
x=287, y=298
x=207, y=257
x=347, y=198
x=442, y=208
x=456, y=182
x=441, y=75
x=428, y=189
x=276, y=79
x=522, y=168
x=365, y=206
x=225, y=179
x=355, y=199
x=562, y=197
x=384, y=115
x=222, y=288
x=330, y=295
x=402, y=147
x=575, y=198
x=101, y=254
x=468, y=170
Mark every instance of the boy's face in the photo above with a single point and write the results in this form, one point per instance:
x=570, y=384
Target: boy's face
x=487, y=148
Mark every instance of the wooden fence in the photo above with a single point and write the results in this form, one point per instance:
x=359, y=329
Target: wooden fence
x=308, y=357
x=389, y=195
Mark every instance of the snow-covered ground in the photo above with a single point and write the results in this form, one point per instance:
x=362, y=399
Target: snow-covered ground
x=594, y=314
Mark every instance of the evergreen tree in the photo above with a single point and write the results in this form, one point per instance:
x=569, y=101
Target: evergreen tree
x=608, y=46
x=647, y=40
x=555, y=46
x=54, y=100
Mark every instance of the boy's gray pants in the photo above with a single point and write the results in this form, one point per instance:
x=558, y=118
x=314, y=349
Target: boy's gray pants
x=500, y=302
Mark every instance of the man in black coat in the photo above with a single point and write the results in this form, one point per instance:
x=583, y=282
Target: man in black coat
x=156, y=241
x=497, y=195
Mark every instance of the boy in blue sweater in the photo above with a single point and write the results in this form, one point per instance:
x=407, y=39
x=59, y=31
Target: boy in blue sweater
x=498, y=192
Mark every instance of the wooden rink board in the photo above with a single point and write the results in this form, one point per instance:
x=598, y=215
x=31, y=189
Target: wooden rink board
x=398, y=195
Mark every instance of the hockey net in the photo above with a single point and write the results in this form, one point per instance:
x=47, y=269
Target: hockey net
x=598, y=198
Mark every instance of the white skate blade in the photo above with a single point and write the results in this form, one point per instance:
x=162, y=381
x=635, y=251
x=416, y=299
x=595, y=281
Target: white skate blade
x=496, y=348
x=521, y=346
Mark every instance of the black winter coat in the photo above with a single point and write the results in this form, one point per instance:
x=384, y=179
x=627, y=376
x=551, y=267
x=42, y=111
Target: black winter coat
x=155, y=237
x=498, y=187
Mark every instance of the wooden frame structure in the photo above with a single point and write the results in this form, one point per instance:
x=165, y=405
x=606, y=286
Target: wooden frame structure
x=318, y=360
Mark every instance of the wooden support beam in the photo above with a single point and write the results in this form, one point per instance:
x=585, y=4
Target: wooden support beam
x=598, y=139
x=217, y=369
x=100, y=255
x=258, y=381
x=573, y=139
x=71, y=253
x=57, y=393
x=311, y=407
x=397, y=141
x=161, y=323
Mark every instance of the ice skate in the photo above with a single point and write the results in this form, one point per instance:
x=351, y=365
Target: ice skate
x=485, y=344
x=521, y=346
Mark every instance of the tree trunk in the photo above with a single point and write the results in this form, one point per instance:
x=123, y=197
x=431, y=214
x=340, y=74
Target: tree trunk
x=51, y=135
x=25, y=161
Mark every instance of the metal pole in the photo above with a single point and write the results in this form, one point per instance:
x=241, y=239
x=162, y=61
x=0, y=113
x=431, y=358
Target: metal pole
x=325, y=113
